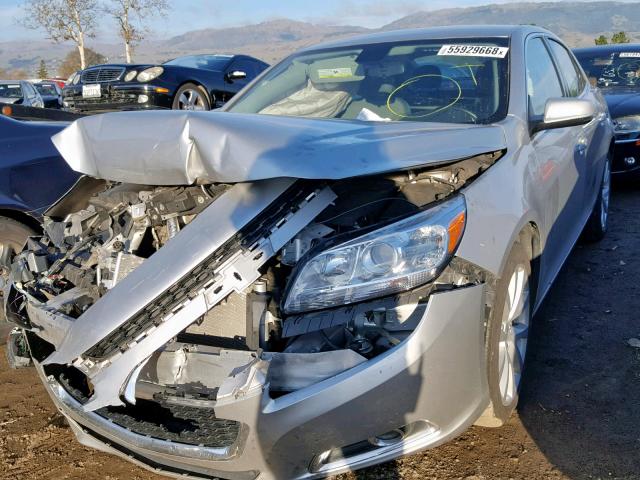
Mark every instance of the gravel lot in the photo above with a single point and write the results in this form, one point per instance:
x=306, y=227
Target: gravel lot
x=579, y=415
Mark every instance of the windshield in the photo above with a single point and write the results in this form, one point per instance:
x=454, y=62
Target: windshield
x=46, y=89
x=10, y=90
x=609, y=68
x=207, y=62
x=452, y=81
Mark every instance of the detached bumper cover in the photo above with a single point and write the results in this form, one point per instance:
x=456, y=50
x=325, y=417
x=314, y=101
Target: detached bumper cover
x=436, y=377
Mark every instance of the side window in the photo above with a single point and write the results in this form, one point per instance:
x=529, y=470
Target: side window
x=542, y=79
x=572, y=76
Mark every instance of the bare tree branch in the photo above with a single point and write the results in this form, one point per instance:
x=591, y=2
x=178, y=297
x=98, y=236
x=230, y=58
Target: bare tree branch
x=131, y=16
x=63, y=20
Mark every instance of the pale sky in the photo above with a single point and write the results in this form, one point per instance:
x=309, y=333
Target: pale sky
x=189, y=15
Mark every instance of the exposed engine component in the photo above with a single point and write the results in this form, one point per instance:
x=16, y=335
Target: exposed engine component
x=240, y=288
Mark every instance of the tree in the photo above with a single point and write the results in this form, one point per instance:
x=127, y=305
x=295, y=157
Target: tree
x=42, y=70
x=63, y=20
x=601, y=40
x=620, y=37
x=71, y=62
x=131, y=16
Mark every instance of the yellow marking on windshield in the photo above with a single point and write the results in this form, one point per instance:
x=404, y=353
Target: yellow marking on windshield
x=415, y=79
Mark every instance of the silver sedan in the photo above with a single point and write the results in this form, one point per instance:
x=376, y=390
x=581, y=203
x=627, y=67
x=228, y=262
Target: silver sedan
x=338, y=269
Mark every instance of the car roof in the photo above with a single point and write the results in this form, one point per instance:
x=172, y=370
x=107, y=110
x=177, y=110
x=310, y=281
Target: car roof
x=457, y=31
x=616, y=47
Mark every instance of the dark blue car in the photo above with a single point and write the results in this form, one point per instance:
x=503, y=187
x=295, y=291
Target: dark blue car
x=615, y=70
x=33, y=176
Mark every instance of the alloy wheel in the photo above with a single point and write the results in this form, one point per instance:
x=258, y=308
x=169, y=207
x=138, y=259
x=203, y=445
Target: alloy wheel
x=191, y=99
x=514, y=332
x=605, y=193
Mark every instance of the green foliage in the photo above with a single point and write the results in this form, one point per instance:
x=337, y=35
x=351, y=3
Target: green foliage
x=71, y=62
x=620, y=37
x=601, y=40
x=42, y=70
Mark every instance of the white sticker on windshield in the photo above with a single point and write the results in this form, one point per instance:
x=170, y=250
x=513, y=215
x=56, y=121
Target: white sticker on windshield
x=343, y=72
x=473, y=51
x=629, y=55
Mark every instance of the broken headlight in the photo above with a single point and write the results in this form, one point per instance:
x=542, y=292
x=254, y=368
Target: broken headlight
x=395, y=258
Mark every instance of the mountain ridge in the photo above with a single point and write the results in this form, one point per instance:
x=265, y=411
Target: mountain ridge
x=274, y=39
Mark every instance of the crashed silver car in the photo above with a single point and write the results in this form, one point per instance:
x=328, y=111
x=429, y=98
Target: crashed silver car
x=338, y=269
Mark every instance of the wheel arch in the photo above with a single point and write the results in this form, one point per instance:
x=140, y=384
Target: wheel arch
x=529, y=237
x=22, y=217
x=210, y=96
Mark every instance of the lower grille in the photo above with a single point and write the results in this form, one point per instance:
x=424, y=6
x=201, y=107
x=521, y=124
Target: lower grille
x=166, y=421
x=177, y=423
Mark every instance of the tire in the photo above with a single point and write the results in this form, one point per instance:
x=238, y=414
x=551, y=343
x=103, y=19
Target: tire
x=13, y=236
x=191, y=97
x=598, y=223
x=507, y=333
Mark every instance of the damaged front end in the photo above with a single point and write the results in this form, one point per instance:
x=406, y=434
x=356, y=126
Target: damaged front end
x=197, y=328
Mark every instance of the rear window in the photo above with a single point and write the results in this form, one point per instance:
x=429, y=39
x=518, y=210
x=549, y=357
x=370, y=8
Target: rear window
x=10, y=90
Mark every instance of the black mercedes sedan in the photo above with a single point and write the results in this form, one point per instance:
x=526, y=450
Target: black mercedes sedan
x=615, y=69
x=194, y=82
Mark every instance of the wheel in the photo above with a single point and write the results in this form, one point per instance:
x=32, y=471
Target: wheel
x=13, y=236
x=191, y=97
x=507, y=335
x=598, y=222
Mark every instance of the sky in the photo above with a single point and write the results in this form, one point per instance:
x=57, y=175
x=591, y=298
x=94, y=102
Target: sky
x=186, y=15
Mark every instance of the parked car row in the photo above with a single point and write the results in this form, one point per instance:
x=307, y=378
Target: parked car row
x=194, y=82
x=338, y=267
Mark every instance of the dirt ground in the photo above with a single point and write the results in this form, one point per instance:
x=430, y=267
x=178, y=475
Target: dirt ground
x=579, y=414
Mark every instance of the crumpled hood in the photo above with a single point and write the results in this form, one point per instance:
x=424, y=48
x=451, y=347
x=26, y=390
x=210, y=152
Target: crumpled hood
x=176, y=148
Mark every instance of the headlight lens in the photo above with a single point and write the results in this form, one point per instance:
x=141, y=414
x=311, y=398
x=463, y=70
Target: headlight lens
x=76, y=78
x=150, y=74
x=130, y=75
x=627, y=124
x=396, y=258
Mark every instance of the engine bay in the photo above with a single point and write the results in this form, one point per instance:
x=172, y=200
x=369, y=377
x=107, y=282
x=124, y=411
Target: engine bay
x=93, y=242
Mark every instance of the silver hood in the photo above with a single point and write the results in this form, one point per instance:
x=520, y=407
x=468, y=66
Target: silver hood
x=177, y=148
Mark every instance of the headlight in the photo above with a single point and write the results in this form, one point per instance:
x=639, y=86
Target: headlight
x=130, y=76
x=627, y=124
x=76, y=78
x=150, y=74
x=395, y=258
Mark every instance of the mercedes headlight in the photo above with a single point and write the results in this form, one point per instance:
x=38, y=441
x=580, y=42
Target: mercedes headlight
x=130, y=75
x=150, y=74
x=627, y=124
x=392, y=259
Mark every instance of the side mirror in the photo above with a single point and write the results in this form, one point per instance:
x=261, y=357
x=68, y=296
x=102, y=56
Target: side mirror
x=565, y=112
x=236, y=75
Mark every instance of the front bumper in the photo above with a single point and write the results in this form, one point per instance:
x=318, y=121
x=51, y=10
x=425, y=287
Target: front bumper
x=434, y=383
x=626, y=155
x=116, y=97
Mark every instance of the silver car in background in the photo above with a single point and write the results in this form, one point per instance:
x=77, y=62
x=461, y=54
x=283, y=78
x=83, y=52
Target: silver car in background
x=20, y=92
x=338, y=269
